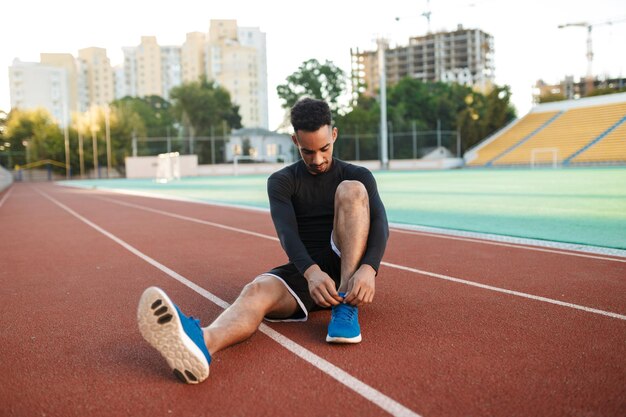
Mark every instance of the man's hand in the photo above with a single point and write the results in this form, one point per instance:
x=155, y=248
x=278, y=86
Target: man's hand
x=361, y=287
x=321, y=287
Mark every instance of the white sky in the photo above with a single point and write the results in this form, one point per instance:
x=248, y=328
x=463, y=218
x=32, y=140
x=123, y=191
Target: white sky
x=528, y=44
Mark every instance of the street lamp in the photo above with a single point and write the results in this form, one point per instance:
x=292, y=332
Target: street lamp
x=384, y=158
x=94, y=138
x=107, y=125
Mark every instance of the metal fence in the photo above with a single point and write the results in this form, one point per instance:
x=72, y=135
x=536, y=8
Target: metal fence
x=353, y=146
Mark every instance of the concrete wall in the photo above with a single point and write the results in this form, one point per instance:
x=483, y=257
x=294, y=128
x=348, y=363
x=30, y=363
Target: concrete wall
x=146, y=166
x=6, y=179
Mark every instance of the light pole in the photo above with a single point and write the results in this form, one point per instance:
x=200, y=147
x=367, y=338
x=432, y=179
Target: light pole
x=384, y=158
x=107, y=125
x=94, y=139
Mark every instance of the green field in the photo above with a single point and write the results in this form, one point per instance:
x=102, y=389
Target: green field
x=576, y=205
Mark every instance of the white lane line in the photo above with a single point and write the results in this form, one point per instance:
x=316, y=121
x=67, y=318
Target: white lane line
x=369, y=393
x=387, y=264
x=6, y=197
x=505, y=291
x=509, y=245
x=190, y=219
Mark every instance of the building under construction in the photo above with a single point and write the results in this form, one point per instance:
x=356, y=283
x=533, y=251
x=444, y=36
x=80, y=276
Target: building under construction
x=464, y=56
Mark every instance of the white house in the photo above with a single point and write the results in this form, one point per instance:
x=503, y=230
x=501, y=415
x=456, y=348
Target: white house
x=260, y=145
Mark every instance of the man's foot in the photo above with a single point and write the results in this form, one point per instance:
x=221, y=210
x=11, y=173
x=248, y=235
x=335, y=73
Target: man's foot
x=344, y=324
x=177, y=337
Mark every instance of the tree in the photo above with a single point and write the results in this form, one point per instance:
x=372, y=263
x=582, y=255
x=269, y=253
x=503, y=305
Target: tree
x=154, y=111
x=320, y=81
x=552, y=97
x=424, y=105
x=204, y=108
x=33, y=136
x=200, y=105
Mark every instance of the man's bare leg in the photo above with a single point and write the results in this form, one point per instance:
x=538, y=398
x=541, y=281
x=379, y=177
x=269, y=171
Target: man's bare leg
x=351, y=227
x=266, y=296
x=186, y=347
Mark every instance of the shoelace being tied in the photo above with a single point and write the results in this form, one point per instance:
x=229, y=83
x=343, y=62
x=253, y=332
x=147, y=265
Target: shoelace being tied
x=344, y=313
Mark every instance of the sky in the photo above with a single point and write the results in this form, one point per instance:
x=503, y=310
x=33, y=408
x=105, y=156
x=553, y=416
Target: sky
x=528, y=43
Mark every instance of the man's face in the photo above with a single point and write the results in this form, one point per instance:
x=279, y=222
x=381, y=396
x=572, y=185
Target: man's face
x=316, y=148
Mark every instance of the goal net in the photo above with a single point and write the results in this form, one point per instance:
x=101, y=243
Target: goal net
x=168, y=167
x=544, y=157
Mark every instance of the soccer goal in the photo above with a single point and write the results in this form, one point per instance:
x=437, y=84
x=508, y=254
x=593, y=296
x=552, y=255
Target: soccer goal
x=544, y=157
x=168, y=167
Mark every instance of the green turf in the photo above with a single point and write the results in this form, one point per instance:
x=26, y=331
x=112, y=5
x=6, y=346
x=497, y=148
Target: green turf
x=576, y=205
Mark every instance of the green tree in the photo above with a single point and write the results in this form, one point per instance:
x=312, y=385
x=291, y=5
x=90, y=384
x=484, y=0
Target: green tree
x=204, y=109
x=34, y=136
x=316, y=80
x=154, y=111
x=200, y=105
x=360, y=124
x=455, y=107
x=552, y=97
x=605, y=90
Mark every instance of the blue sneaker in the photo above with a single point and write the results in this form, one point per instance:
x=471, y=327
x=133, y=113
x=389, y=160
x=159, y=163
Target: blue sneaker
x=344, y=324
x=177, y=337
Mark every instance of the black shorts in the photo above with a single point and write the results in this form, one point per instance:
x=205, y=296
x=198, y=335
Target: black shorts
x=328, y=261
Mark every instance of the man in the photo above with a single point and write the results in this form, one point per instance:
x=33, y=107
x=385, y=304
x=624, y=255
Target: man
x=333, y=227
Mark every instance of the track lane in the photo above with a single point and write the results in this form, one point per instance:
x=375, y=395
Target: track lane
x=513, y=338
x=589, y=282
x=73, y=345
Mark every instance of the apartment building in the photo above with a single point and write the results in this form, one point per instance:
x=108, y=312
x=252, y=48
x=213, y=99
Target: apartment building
x=97, y=73
x=192, y=57
x=67, y=62
x=171, y=69
x=34, y=85
x=149, y=71
x=465, y=56
x=235, y=59
x=127, y=85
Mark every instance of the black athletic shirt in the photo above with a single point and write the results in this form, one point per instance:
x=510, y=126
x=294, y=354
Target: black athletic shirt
x=302, y=207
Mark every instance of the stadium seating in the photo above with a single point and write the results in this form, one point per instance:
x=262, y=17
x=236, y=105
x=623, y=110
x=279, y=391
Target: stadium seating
x=526, y=126
x=574, y=134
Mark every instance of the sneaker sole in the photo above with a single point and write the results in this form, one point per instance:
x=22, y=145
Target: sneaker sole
x=332, y=339
x=160, y=325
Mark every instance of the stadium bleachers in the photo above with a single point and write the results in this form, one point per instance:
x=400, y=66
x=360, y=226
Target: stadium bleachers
x=526, y=126
x=585, y=131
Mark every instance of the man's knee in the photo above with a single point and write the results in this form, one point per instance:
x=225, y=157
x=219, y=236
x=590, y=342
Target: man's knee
x=351, y=192
x=259, y=288
x=269, y=295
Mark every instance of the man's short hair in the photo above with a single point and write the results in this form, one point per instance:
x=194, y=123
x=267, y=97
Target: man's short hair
x=310, y=114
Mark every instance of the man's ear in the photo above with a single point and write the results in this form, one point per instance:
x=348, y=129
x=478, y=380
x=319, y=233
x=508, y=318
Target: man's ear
x=335, y=134
x=294, y=139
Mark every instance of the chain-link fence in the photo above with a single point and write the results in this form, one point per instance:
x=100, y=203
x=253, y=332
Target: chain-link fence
x=401, y=145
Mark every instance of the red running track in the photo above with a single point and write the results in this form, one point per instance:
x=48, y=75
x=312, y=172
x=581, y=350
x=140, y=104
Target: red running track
x=458, y=327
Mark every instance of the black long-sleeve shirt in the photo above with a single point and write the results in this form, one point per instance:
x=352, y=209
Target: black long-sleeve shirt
x=303, y=209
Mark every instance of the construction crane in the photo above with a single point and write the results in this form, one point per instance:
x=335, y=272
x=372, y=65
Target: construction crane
x=425, y=14
x=590, y=26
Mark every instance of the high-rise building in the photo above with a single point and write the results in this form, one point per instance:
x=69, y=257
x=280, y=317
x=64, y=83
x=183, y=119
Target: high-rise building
x=149, y=71
x=129, y=81
x=253, y=37
x=465, y=56
x=34, y=85
x=192, y=57
x=98, y=73
x=67, y=62
x=170, y=69
x=235, y=59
